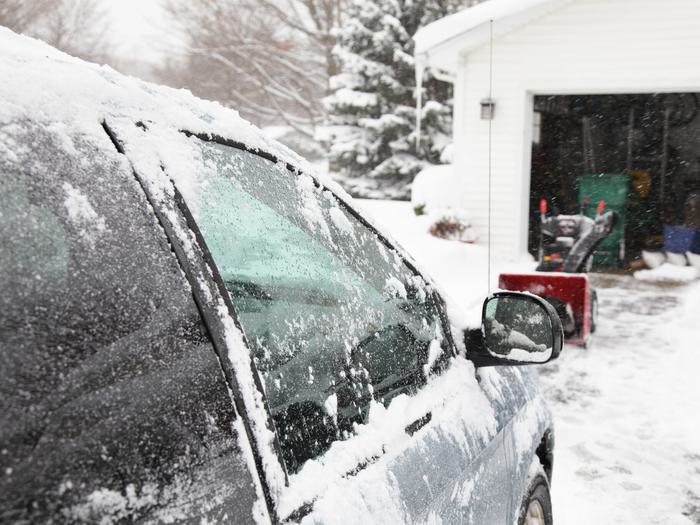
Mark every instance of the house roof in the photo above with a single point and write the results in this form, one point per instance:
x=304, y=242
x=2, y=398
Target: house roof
x=437, y=44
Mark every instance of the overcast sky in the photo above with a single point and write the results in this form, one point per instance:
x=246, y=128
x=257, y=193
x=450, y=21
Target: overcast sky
x=140, y=29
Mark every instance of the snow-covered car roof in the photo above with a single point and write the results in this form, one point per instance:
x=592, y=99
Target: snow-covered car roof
x=45, y=84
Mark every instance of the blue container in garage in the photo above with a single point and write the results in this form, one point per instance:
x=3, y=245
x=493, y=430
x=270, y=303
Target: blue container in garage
x=679, y=239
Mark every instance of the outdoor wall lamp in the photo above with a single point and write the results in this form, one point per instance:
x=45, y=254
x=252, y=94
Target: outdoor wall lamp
x=488, y=108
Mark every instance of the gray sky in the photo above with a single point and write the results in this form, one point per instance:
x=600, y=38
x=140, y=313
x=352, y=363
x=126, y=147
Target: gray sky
x=140, y=29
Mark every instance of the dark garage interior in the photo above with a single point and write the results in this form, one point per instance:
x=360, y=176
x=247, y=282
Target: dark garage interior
x=638, y=152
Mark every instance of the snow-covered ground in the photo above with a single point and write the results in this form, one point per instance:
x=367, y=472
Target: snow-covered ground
x=627, y=410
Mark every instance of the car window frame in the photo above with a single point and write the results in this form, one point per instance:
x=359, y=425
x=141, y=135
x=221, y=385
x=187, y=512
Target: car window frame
x=296, y=172
x=207, y=314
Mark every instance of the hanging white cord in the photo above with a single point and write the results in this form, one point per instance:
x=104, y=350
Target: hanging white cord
x=491, y=109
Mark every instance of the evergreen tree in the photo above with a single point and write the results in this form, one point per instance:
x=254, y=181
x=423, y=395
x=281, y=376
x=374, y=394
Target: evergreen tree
x=372, y=113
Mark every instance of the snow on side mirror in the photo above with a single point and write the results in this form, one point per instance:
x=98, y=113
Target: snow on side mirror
x=516, y=329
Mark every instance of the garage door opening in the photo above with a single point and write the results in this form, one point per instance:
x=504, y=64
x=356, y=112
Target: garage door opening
x=640, y=153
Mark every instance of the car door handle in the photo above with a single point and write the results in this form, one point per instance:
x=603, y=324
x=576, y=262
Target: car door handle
x=419, y=423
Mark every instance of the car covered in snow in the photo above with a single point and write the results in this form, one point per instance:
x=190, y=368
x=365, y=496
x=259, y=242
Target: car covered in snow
x=194, y=327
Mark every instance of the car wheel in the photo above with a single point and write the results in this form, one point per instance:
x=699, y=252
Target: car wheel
x=536, y=508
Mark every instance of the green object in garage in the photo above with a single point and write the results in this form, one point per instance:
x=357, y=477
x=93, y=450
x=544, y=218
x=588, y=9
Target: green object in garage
x=611, y=188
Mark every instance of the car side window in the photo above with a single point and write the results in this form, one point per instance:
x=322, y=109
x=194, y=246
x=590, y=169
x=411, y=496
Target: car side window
x=334, y=317
x=113, y=405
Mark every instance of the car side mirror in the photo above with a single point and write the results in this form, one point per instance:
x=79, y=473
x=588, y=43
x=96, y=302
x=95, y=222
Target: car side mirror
x=516, y=329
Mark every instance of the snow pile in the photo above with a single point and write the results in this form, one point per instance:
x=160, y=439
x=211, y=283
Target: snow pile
x=668, y=273
x=433, y=188
x=693, y=259
x=677, y=259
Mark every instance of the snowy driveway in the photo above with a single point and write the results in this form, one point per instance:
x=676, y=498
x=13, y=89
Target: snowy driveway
x=627, y=410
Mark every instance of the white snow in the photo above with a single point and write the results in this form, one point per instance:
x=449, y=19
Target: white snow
x=626, y=410
x=352, y=98
x=82, y=214
x=653, y=259
x=678, y=259
x=340, y=220
x=668, y=272
x=60, y=131
x=395, y=288
x=434, y=352
x=111, y=505
x=433, y=187
x=331, y=406
x=313, y=214
x=240, y=358
x=693, y=259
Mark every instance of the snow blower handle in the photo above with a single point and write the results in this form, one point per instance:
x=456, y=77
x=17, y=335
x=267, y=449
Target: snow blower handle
x=543, y=217
x=601, y=207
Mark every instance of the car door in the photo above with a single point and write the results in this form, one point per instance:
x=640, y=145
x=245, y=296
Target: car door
x=377, y=419
x=526, y=420
x=113, y=407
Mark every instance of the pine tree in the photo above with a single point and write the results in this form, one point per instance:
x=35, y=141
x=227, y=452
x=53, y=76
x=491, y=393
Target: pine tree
x=372, y=113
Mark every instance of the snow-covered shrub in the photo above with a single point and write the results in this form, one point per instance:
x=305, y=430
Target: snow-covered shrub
x=434, y=188
x=452, y=225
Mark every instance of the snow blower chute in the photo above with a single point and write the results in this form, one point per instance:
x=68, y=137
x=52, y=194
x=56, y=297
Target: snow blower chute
x=567, y=243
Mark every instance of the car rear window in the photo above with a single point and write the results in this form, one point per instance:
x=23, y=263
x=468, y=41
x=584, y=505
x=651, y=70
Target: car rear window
x=113, y=405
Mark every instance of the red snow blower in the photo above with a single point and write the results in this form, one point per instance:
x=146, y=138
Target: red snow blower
x=567, y=243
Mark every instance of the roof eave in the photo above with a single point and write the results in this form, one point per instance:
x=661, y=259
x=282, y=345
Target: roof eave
x=444, y=54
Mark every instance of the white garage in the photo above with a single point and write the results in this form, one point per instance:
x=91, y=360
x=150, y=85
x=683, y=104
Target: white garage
x=518, y=56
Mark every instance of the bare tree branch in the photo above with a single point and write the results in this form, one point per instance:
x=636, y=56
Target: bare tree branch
x=19, y=15
x=267, y=58
x=77, y=27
